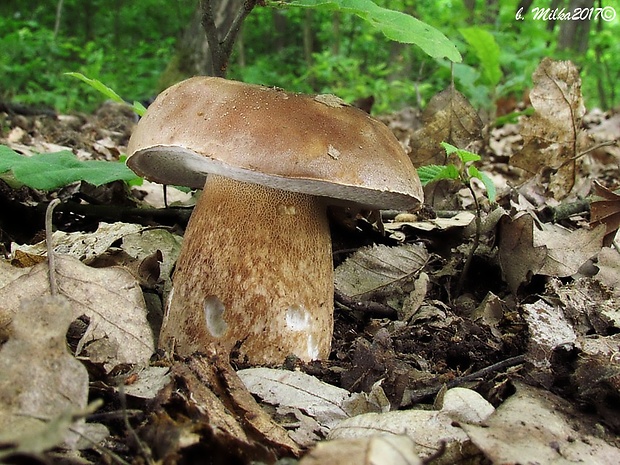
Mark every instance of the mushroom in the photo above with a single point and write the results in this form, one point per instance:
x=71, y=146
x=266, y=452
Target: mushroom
x=255, y=270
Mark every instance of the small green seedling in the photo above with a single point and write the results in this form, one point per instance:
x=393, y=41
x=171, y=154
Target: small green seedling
x=465, y=172
x=137, y=107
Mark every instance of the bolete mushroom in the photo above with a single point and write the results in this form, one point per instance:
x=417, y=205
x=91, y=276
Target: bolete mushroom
x=255, y=269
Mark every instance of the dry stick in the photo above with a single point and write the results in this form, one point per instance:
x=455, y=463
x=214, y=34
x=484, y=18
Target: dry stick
x=374, y=309
x=474, y=246
x=50, y=248
x=418, y=395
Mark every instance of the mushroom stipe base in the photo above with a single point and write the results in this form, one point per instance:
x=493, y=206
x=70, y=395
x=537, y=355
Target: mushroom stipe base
x=256, y=271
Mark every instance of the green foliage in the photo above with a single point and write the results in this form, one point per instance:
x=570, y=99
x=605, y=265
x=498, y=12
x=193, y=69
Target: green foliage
x=33, y=61
x=395, y=25
x=127, y=45
x=463, y=172
x=53, y=170
x=487, y=51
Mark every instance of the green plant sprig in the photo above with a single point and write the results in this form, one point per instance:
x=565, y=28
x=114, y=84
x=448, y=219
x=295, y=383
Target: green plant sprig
x=137, y=107
x=464, y=173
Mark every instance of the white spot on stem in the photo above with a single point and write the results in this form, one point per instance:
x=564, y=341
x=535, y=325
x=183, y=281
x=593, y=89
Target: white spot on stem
x=297, y=319
x=214, y=316
x=313, y=348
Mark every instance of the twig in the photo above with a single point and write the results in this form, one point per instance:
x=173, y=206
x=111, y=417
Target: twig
x=374, y=309
x=474, y=246
x=208, y=24
x=50, y=247
x=144, y=449
x=231, y=36
x=221, y=50
x=171, y=215
x=564, y=211
x=420, y=394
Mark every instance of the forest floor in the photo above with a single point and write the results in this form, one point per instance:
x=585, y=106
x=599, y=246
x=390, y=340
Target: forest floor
x=530, y=332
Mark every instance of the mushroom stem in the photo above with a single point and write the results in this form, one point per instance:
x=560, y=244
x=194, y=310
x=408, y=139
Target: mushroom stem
x=255, y=271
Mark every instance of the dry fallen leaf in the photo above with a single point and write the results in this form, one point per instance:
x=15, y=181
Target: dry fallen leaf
x=325, y=403
x=605, y=210
x=85, y=246
x=206, y=398
x=110, y=298
x=526, y=250
x=39, y=379
x=548, y=329
x=535, y=426
x=597, y=376
x=372, y=271
x=551, y=134
x=373, y=450
x=460, y=220
x=608, y=265
x=427, y=428
x=448, y=117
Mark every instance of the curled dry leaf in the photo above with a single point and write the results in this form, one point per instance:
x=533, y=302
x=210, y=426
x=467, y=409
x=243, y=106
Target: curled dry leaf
x=460, y=220
x=39, y=379
x=526, y=249
x=448, y=117
x=111, y=299
x=551, y=134
x=605, y=209
x=535, y=426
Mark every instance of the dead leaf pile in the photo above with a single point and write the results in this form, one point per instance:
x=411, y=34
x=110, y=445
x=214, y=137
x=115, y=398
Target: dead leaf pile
x=520, y=365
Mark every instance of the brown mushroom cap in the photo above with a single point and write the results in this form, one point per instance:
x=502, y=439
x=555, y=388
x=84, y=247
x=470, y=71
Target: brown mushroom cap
x=312, y=145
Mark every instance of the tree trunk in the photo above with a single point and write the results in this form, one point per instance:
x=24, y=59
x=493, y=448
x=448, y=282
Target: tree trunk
x=193, y=56
x=574, y=34
x=58, y=18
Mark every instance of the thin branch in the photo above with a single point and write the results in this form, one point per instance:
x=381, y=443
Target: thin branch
x=374, y=309
x=420, y=394
x=210, y=28
x=222, y=50
x=50, y=247
x=474, y=246
x=232, y=34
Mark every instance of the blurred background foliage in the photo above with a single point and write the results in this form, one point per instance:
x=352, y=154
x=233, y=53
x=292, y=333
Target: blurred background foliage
x=130, y=46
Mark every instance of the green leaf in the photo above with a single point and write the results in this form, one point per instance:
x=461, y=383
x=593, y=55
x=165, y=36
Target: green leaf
x=486, y=180
x=395, y=25
x=137, y=107
x=433, y=173
x=486, y=49
x=464, y=155
x=47, y=171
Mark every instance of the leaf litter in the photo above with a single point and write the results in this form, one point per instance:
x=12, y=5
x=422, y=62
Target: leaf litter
x=521, y=365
